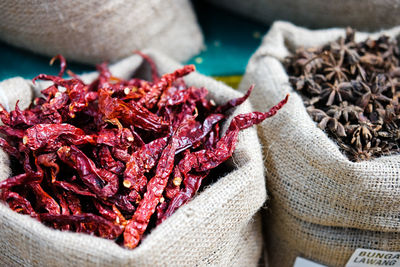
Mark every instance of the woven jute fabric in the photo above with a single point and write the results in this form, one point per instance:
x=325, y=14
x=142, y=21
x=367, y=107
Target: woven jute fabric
x=363, y=15
x=289, y=237
x=219, y=227
x=307, y=175
x=91, y=31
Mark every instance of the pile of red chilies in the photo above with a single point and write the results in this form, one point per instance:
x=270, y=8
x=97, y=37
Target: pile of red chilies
x=108, y=157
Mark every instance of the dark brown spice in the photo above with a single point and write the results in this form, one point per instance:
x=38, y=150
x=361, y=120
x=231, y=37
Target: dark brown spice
x=351, y=89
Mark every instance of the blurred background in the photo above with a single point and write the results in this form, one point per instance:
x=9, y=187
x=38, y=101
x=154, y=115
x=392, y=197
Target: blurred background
x=218, y=36
x=229, y=41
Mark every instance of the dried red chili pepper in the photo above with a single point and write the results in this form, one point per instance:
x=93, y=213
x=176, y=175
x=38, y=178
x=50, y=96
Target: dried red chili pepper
x=74, y=203
x=20, y=179
x=108, y=162
x=101, y=182
x=43, y=200
x=63, y=64
x=151, y=98
x=116, y=138
x=153, y=67
x=12, y=151
x=136, y=114
x=18, y=203
x=74, y=188
x=234, y=102
x=104, y=228
x=138, y=224
x=47, y=136
x=49, y=160
x=105, y=158
x=173, y=185
x=155, y=187
x=192, y=184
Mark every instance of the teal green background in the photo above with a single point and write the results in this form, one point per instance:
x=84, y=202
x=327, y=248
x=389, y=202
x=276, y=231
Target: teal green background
x=230, y=40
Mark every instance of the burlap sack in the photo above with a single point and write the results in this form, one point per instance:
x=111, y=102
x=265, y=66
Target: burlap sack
x=91, y=31
x=307, y=175
x=363, y=15
x=289, y=237
x=218, y=227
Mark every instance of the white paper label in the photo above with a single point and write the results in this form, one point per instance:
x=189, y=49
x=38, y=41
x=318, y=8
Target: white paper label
x=301, y=262
x=369, y=257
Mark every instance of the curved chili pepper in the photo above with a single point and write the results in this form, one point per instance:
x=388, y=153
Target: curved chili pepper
x=11, y=132
x=104, y=228
x=173, y=185
x=114, y=137
x=12, y=151
x=129, y=114
x=234, y=102
x=108, y=162
x=197, y=133
x=47, y=136
x=19, y=118
x=205, y=160
x=101, y=182
x=16, y=180
x=209, y=159
x=44, y=200
x=155, y=187
x=154, y=73
x=49, y=160
x=151, y=98
x=18, y=203
x=63, y=64
x=78, y=93
x=192, y=184
x=74, y=188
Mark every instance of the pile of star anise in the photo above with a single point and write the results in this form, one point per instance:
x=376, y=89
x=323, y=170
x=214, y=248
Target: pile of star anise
x=352, y=91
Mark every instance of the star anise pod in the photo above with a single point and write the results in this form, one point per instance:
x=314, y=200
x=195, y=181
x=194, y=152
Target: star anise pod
x=306, y=83
x=357, y=154
x=374, y=97
x=334, y=68
x=344, y=111
x=316, y=114
x=346, y=47
x=362, y=133
x=374, y=148
x=333, y=125
x=310, y=102
x=391, y=131
x=336, y=91
x=304, y=61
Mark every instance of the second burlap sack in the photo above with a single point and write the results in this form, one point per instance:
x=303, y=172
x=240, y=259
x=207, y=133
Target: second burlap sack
x=363, y=15
x=320, y=200
x=91, y=31
x=219, y=227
